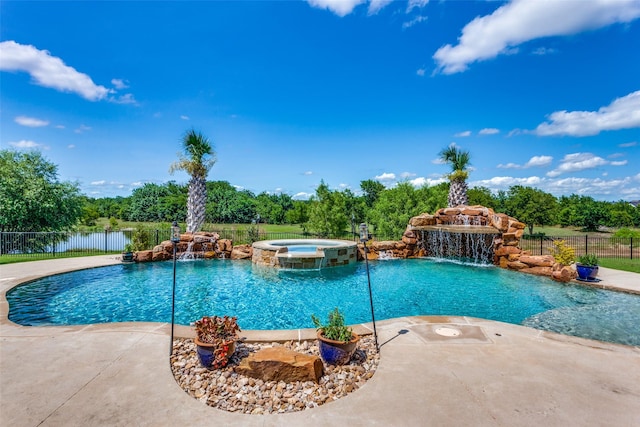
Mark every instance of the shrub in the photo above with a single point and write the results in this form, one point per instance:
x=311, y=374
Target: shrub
x=563, y=253
x=335, y=329
x=626, y=233
x=589, y=260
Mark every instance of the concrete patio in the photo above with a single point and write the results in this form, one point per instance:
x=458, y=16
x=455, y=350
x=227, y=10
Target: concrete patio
x=492, y=374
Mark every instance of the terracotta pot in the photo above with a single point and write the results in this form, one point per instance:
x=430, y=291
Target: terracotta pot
x=337, y=352
x=206, y=352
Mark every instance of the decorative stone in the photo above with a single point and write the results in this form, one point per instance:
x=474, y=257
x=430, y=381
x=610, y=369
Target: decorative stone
x=538, y=271
x=471, y=212
x=564, y=274
x=422, y=220
x=516, y=265
x=538, y=261
x=281, y=364
x=143, y=256
x=242, y=252
x=383, y=246
x=409, y=240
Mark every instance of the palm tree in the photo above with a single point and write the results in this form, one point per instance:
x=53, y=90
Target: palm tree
x=198, y=158
x=458, y=160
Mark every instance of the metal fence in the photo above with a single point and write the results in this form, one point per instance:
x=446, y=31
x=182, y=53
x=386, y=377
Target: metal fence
x=50, y=244
x=602, y=247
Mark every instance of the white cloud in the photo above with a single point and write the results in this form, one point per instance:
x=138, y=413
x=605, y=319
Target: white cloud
x=343, y=186
x=71, y=146
x=183, y=117
x=376, y=6
x=119, y=84
x=503, y=182
x=31, y=122
x=27, y=144
x=301, y=196
x=623, y=113
x=539, y=161
x=101, y=182
x=48, y=71
x=123, y=99
x=308, y=173
x=510, y=166
x=489, y=131
x=59, y=127
x=416, y=4
x=619, y=163
x=82, y=129
x=421, y=181
x=541, y=51
x=421, y=72
x=339, y=7
x=405, y=175
x=418, y=19
x=628, y=144
x=463, y=134
x=522, y=20
x=386, y=176
x=577, y=162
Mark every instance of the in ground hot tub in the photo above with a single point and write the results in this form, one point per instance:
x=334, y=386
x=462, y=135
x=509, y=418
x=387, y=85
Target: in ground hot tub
x=298, y=254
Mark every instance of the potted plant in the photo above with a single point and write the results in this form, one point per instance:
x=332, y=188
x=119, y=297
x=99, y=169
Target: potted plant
x=216, y=340
x=587, y=267
x=336, y=341
x=127, y=253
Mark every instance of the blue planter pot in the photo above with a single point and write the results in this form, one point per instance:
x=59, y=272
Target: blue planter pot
x=337, y=352
x=587, y=272
x=206, y=352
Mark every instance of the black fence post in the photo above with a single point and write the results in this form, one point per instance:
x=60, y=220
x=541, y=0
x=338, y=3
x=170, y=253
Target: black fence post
x=586, y=244
x=105, y=240
x=631, y=247
x=541, y=239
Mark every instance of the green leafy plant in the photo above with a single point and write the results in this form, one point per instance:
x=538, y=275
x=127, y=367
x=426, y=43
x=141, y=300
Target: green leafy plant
x=128, y=248
x=335, y=329
x=220, y=332
x=588, y=260
x=563, y=253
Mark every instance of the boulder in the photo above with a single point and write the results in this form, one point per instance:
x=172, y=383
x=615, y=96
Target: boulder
x=143, y=256
x=422, y=220
x=242, y=252
x=281, y=364
x=517, y=265
x=386, y=245
x=564, y=274
x=538, y=260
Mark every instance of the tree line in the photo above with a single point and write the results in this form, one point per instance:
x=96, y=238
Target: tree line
x=32, y=198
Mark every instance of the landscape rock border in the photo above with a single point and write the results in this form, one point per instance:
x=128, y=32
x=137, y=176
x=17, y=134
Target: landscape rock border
x=227, y=390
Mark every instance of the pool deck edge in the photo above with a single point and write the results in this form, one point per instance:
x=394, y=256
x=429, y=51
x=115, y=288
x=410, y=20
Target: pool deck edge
x=492, y=373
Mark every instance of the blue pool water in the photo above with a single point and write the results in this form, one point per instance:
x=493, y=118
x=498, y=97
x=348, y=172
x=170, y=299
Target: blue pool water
x=265, y=298
x=301, y=249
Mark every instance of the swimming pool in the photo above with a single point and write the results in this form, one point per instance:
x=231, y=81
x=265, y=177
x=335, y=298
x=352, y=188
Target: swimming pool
x=265, y=298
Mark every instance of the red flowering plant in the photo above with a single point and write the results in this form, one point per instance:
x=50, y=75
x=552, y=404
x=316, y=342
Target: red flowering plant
x=221, y=333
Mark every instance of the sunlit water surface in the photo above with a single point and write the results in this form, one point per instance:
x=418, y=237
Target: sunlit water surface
x=266, y=298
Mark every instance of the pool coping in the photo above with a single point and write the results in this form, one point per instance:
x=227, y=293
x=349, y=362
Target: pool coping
x=492, y=373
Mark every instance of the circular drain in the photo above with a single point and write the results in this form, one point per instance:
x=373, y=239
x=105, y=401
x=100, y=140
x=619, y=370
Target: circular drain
x=447, y=332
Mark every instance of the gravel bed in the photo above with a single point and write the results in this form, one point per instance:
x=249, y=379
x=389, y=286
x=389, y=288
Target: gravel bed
x=227, y=390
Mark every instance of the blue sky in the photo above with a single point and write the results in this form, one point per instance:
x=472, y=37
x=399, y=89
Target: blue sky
x=545, y=94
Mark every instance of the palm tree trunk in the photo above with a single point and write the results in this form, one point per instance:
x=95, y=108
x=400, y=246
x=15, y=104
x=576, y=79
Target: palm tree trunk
x=196, y=202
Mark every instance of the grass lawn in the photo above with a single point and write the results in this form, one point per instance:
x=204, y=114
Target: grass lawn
x=632, y=265
x=10, y=259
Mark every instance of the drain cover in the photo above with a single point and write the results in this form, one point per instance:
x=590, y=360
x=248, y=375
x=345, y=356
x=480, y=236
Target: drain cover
x=447, y=332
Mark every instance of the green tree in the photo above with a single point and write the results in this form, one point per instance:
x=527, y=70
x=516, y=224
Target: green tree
x=197, y=160
x=393, y=210
x=371, y=190
x=146, y=203
x=531, y=206
x=298, y=214
x=458, y=160
x=482, y=196
x=31, y=196
x=327, y=212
